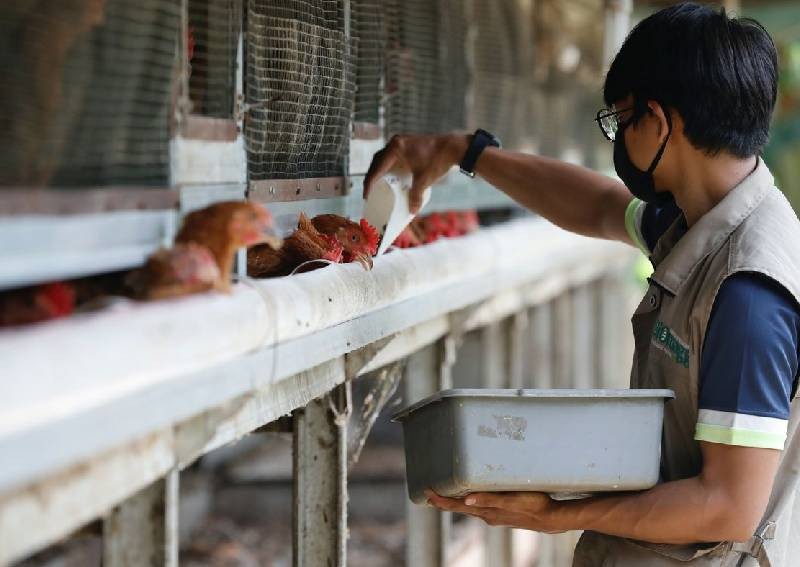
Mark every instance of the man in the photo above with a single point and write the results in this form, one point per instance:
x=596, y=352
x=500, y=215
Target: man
x=690, y=97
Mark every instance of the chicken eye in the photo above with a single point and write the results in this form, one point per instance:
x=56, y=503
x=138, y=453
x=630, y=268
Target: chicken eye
x=354, y=238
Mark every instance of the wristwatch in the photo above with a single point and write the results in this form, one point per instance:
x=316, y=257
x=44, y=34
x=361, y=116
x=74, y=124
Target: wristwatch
x=480, y=139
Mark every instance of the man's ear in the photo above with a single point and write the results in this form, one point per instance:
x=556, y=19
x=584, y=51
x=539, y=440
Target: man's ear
x=659, y=114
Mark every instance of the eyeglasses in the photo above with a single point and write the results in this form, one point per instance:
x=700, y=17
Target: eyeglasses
x=609, y=122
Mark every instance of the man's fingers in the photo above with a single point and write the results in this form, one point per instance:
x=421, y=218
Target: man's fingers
x=382, y=163
x=486, y=500
x=415, y=195
x=523, y=501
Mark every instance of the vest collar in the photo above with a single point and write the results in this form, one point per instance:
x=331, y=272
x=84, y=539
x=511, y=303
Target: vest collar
x=677, y=253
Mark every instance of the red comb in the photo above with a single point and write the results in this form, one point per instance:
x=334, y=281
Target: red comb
x=59, y=297
x=371, y=235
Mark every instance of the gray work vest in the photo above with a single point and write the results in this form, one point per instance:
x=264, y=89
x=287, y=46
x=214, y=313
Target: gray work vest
x=753, y=229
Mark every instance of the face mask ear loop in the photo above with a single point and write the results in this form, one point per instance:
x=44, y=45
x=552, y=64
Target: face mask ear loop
x=663, y=147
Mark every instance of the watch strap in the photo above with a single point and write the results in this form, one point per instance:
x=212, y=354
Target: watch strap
x=481, y=139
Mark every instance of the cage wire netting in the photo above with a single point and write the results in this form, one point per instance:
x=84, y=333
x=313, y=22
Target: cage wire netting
x=212, y=40
x=427, y=77
x=368, y=30
x=503, y=62
x=569, y=78
x=86, y=91
x=300, y=87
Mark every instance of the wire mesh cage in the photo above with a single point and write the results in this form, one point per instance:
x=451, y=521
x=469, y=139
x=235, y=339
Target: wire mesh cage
x=503, y=62
x=300, y=89
x=427, y=73
x=86, y=91
x=368, y=30
x=211, y=45
x=569, y=77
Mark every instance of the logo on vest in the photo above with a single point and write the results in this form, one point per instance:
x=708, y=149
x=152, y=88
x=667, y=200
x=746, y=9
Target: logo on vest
x=664, y=339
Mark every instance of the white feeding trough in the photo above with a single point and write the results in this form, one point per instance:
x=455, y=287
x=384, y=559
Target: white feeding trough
x=387, y=208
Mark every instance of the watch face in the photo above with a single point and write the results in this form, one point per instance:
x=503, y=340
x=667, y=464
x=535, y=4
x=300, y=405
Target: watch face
x=493, y=140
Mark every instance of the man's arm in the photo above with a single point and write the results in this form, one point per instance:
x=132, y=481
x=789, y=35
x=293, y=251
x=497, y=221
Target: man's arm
x=572, y=197
x=725, y=502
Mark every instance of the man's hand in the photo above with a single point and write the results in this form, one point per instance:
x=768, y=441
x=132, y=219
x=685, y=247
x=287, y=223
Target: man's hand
x=573, y=197
x=426, y=157
x=723, y=503
x=524, y=510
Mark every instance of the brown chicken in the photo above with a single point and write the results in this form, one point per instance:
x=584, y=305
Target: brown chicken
x=35, y=304
x=305, y=244
x=359, y=240
x=205, y=247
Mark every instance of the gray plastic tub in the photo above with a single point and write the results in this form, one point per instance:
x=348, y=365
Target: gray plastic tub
x=555, y=441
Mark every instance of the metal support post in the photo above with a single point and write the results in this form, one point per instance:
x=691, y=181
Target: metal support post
x=540, y=354
x=617, y=26
x=320, y=481
x=143, y=530
x=495, y=366
x=519, y=346
x=562, y=341
x=562, y=545
x=583, y=337
x=428, y=529
x=540, y=349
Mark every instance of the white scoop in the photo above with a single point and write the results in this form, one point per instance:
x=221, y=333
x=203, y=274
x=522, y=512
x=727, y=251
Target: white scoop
x=387, y=210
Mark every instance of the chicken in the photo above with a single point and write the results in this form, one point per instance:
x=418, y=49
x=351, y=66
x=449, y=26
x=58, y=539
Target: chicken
x=36, y=304
x=181, y=270
x=223, y=228
x=424, y=230
x=411, y=237
x=205, y=247
x=305, y=244
x=359, y=240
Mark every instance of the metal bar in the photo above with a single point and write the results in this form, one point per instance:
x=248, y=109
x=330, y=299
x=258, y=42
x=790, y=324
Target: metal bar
x=613, y=348
x=617, y=25
x=582, y=343
x=40, y=248
x=541, y=347
x=73, y=201
x=63, y=502
x=428, y=529
x=319, y=533
x=172, y=518
x=195, y=197
x=197, y=127
x=518, y=368
x=135, y=531
x=562, y=341
x=282, y=190
x=495, y=366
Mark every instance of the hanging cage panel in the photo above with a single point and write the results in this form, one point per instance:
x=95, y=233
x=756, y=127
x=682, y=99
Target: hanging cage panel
x=299, y=89
x=212, y=42
x=368, y=30
x=86, y=92
x=427, y=77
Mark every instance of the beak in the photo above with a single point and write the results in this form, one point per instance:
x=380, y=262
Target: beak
x=365, y=260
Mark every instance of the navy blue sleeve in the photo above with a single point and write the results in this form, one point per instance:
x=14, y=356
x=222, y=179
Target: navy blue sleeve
x=750, y=356
x=749, y=363
x=656, y=220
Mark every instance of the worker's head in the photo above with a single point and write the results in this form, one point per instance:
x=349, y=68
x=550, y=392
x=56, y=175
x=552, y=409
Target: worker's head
x=690, y=81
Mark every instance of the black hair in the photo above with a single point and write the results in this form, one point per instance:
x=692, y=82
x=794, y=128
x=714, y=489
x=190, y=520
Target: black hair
x=720, y=75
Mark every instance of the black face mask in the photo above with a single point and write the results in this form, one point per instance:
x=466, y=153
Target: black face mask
x=639, y=183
